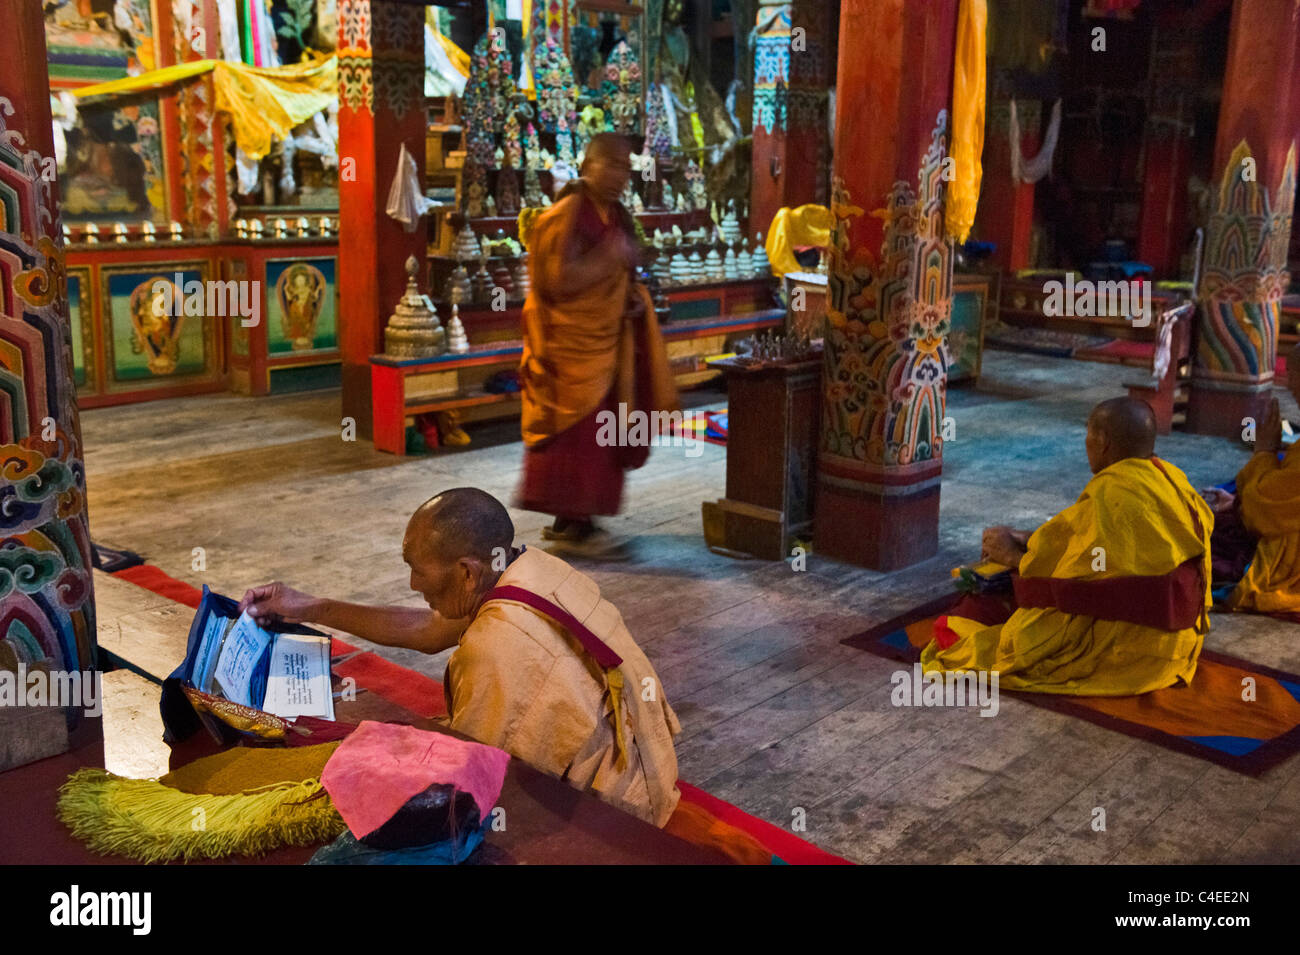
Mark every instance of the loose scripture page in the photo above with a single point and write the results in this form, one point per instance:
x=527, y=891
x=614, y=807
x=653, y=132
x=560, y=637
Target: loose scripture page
x=242, y=649
x=299, y=681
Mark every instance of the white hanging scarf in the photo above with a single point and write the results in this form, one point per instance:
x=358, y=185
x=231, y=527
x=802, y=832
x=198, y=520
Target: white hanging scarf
x=1032, y=170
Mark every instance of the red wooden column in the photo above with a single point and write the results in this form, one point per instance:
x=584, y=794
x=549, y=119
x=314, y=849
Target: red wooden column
x=792, y=72
x=50, y=604
x=890, y=286
x=381, y=106
x=1006, y=210
x=1244, y=269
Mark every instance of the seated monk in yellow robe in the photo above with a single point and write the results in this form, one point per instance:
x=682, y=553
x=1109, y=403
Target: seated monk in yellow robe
x=1268, y=491
x=544, y=668
x=1111, y=593
x=593, y=354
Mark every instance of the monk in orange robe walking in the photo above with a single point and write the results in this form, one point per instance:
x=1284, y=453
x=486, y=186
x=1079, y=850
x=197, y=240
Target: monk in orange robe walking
x=591, y=345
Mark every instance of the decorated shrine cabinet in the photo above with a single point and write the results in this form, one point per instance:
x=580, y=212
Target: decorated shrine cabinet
x=151, y=197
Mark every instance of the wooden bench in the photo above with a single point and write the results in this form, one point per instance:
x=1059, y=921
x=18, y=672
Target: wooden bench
x=404, y=387
x=1164, y=342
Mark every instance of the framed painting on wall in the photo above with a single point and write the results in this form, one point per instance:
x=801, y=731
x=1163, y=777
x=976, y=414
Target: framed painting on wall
x=970, y=304
x=146, y=343
x=81, y=313
x=301, y=306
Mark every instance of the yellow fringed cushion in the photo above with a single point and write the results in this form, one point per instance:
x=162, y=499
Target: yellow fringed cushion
x=144, y=819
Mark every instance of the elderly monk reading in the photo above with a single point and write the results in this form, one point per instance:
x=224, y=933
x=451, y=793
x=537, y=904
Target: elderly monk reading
x=1268, y=492
x=592, y=349
x=543, y=668
x=1112, y=592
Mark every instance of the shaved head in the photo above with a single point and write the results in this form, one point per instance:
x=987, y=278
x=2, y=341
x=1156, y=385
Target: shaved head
x=462, y=522
x=607, y=146
x=1120, y=428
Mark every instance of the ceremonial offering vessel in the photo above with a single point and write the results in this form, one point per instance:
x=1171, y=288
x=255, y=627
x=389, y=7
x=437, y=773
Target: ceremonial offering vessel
x=457, y=340
x=762, y=267
x=503, y=279
x=481, y=285
x=255, y=229
x=523, y=284
x=680, y=270
x=303, y=226
x=744, y=260
x=326, y=225
x=119, y=232
x=713, y=266
x=90, y=234
x=281, y=228
x=466, y=246
x=177, y=233
x=730, y=228
x=413, y=330
x=696, y=265
x=458, y=288
x=731, y=267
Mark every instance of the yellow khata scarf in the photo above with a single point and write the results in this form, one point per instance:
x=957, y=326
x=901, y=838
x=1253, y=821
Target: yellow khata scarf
x=264, y=103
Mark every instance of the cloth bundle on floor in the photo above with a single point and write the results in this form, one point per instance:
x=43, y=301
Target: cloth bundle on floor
x=243, y=801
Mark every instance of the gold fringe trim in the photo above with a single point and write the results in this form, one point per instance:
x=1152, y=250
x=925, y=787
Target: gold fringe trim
x=145, y=820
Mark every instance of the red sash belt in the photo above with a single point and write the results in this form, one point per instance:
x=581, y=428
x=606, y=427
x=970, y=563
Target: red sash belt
x=1172, y=601
x=598, y=649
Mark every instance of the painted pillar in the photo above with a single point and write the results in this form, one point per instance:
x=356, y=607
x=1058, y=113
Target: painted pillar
x=1244, y=268
x=793, y=68
x=47, y=608
x=890, y=287
x=381, y=106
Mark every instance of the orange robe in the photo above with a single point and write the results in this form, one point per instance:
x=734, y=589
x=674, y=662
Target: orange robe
x=580, y=348
x=1269, y=492
x=519, y=682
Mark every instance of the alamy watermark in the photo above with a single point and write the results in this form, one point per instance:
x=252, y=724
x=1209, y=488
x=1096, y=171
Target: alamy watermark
x=916, y=687
x=650, y=429
x=63, y=689
x=1084, y=298
x=211, y=299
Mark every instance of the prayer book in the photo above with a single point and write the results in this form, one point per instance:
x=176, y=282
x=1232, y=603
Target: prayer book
x=284, y=672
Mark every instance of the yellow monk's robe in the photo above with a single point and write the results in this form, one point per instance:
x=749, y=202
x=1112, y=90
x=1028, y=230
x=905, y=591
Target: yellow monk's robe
x=519, y=682
x=577, y=348
x=1076, y=630
x=1269, y=493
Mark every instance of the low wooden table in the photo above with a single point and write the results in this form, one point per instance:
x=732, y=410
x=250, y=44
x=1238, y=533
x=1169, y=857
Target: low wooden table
x=547, y=822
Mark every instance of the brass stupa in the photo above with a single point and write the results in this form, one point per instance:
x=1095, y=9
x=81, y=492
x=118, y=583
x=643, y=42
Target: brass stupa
x=413, y=330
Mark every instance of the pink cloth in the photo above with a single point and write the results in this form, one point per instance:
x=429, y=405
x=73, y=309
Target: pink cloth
x=381, y=765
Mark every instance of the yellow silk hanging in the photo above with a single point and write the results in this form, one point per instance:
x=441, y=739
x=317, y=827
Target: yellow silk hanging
x=963, y=190
x=264, y=103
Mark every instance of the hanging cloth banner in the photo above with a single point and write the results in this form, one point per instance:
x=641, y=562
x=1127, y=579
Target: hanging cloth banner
x=968, y=80
x=1032, y=170
x=263, y=104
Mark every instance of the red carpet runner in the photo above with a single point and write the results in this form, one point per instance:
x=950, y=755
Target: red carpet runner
x=708, y=820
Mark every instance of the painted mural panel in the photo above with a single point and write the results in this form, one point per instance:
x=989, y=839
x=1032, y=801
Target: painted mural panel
x=110, y=156
x=80, y=314
x=302, y=305
x=149, y=338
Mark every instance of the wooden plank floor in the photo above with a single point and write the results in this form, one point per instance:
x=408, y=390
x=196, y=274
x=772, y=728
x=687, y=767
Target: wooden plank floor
x=778, y=717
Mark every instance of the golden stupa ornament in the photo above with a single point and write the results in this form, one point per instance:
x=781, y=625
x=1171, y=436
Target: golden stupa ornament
x=413, y=330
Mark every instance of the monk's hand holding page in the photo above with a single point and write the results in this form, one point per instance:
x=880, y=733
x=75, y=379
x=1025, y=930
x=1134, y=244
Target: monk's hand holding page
x=276, y=603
